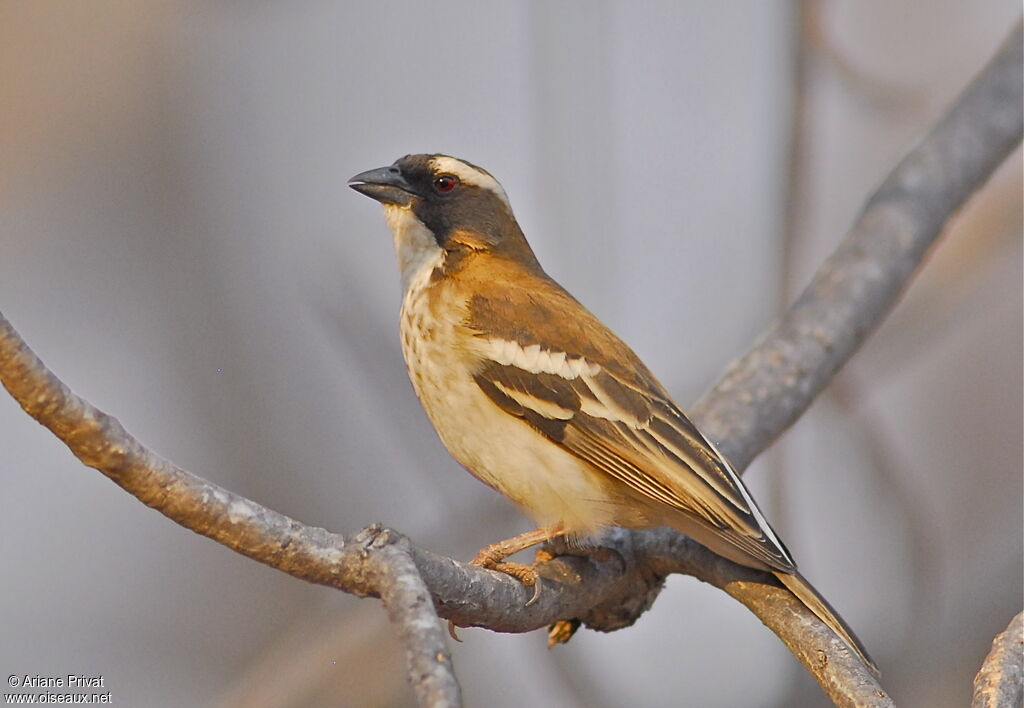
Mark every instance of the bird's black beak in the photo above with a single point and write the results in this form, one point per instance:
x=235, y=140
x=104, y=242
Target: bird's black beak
x=385, y=184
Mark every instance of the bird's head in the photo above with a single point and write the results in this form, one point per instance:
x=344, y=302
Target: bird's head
x=437, y=205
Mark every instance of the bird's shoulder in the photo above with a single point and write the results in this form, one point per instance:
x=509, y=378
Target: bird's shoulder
x=505, y=301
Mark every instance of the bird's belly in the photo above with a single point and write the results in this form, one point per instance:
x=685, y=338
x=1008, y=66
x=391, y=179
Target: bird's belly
x=550, y=484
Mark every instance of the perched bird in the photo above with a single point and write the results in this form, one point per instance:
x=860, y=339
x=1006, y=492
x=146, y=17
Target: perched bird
x=534, y=396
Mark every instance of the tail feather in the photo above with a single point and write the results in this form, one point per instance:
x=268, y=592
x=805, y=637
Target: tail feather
x=817, y=604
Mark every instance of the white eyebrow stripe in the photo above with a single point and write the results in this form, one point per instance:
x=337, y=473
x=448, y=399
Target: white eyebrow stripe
x=537, y=405
x=468, y=175
x=537, y=360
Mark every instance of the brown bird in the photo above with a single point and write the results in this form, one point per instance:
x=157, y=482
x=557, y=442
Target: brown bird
x=534, y=396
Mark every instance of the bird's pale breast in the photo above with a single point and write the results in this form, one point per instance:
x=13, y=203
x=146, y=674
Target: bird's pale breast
x=504, y=452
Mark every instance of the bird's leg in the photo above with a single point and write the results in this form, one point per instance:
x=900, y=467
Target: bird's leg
x=493, y=556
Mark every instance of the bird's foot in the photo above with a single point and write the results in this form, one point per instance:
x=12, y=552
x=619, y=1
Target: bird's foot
x=493, y=557
x=526, y=574
x=561, y=631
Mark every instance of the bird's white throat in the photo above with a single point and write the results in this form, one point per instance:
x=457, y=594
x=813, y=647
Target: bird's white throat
x=415, y=245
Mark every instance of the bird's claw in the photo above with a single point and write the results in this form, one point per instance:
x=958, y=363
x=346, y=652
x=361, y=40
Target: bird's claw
x=536, y=594
x=526, y=574
x=453, y=631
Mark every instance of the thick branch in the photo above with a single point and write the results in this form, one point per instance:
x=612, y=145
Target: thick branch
x=411, y=609
x=1000, y=682
x=759, y=397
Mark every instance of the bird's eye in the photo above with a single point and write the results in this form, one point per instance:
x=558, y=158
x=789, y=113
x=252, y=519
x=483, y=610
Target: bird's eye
x=445, y=183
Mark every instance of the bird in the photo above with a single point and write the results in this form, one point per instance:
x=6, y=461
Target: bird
x=538, y=399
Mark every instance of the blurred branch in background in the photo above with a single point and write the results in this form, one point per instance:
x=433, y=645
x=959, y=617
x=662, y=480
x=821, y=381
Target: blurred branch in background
x=876, y=89
x=759, y=397
x=794, y=196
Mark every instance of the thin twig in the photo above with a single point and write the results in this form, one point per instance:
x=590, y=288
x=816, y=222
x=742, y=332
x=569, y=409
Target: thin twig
x=1000, y=682
x=746, y=410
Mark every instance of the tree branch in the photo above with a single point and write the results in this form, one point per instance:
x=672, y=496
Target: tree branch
x=763, y=393
x=759, y=397
x=411, y=608
x=1000, y=681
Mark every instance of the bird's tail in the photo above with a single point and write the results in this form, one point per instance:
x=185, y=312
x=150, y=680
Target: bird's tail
x=806, y=593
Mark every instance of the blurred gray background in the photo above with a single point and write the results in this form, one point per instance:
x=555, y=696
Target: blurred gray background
x=177, y=242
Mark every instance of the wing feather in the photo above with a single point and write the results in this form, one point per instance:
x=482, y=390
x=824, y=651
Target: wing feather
x=639, y=438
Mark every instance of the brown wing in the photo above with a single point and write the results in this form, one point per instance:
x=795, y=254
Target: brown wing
x=589, y=393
